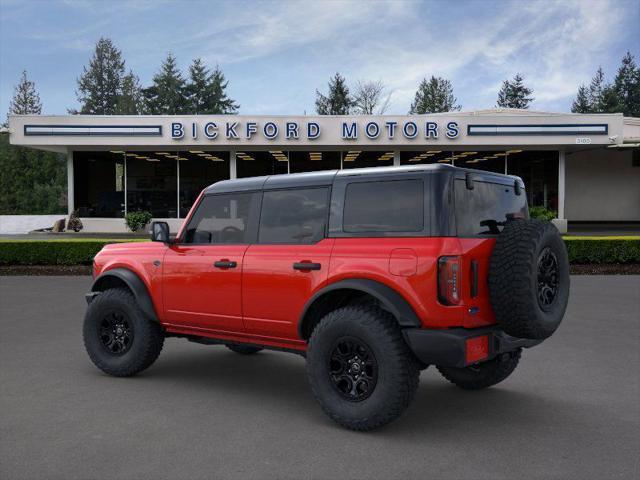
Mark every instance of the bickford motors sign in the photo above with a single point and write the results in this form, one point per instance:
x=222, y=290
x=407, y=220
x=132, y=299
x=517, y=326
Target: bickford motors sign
x=294, y=130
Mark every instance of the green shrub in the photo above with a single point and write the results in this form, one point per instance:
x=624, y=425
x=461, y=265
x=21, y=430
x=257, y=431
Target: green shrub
x=52, y=252
x=542, y=213
x=137, y=220
x=583, y=250
x=80, y=251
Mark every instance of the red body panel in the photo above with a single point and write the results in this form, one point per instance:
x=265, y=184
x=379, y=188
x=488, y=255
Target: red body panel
x=273, y=293
x=196, y=293
x=261, y=300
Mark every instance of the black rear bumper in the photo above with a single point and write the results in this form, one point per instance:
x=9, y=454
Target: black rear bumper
x=447, y=348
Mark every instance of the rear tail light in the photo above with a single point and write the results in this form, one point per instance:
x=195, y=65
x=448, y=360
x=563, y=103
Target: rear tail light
x=449, y=280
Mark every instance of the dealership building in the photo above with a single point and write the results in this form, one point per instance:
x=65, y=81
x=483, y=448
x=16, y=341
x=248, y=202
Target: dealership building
x=585, y=167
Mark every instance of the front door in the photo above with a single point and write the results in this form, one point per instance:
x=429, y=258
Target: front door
x=202, y=274
x=288, y=263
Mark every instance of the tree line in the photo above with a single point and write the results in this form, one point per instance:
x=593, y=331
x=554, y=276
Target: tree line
x=33, y=181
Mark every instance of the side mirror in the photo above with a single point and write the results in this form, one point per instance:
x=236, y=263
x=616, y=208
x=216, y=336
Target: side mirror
x=160, y=232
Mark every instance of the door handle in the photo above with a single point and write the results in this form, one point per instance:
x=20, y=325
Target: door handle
x=225, y=264
x=306, y=266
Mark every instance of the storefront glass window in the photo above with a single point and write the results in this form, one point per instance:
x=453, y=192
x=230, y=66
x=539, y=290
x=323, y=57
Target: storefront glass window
x=313, y=161
x=258, y=163
x=152, y=184
x=363, y=158
x=99, y=184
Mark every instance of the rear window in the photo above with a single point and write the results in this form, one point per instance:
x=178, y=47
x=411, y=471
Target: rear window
x=484, y=210
x=390, y=206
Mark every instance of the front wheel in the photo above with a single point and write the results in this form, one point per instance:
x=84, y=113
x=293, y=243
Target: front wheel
x=483, y=375
x=360, y=368
x=119, y=338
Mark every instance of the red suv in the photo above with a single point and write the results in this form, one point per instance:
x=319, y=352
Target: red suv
x=372, y=274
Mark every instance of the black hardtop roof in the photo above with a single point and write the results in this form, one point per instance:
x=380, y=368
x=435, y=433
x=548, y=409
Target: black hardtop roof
x=326, y=177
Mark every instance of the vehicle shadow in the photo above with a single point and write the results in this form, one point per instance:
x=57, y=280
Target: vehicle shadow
x=277, y=381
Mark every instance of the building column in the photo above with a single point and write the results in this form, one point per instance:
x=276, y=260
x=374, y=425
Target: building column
x=561, y=221
x=396, y=158
x=70, y=183
x=233, y=170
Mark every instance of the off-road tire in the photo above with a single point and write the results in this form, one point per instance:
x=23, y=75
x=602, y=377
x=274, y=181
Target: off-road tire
x=397, y=371
x=483, y=375
x=147, y=342
x=243, y=349
x=514, y=278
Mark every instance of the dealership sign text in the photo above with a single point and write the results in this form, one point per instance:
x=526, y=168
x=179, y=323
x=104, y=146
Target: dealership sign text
x=312, y=130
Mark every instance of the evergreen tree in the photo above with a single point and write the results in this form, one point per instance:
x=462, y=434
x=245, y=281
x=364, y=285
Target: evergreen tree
x=514, y=94
x=596, y=91
x=167, y=95
x=31, y=181
x=581, y=104
x=196, y=89
x=338, y=101
x=206, y=92
x=433, y=96
x=627, y=86
x=218, y=100
x=25, y=99
x=99, y=86
x=130, y=101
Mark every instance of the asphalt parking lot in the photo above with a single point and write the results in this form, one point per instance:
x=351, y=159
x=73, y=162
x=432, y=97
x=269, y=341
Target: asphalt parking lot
x=571, y=410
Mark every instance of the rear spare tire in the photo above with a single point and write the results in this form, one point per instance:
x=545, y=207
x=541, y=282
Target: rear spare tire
x=529, y=279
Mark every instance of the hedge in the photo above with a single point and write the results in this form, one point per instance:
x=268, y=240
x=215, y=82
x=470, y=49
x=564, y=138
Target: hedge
x=585, y=250
x=80, y=251
x=73, y=251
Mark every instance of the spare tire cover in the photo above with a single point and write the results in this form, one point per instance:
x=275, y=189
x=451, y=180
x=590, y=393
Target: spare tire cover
x=529, y=279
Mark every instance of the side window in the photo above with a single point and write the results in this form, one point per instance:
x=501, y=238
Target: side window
x=220, y=219
x=385, y=206
x=485, y=209
x=294, y=216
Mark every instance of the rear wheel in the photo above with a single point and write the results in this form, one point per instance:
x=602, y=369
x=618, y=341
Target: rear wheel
x=483, y=375
x=243, y=349
x=118, y=337
x=360, y=368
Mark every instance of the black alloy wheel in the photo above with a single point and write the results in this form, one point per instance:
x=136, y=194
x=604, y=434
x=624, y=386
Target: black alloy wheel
x=116, y=333
x=353, y=369
x=547, y=278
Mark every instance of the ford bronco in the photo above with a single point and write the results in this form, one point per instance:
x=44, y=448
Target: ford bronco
x=371, y=274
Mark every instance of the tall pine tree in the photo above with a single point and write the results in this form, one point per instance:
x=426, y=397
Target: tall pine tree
x=167, y=94
x=514, y=94
x=338, y=100
x=433, y=96
x=206, y=92
x=25, y=99
x=130, y=101
x=100, y=85
x=31, y=181
x=627, y=86
x=581, y=104
x=219, y=102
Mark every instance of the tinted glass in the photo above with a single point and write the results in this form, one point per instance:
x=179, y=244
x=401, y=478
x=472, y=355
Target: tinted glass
x=294, y=216
x=220, y=219
x=483, y=210
x=391, y=206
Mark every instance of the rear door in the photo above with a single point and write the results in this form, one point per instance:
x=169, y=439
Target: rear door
x=202, y=273
x=289, y=262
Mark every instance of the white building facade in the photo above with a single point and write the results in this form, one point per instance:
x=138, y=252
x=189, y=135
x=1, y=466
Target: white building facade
x=584, y=167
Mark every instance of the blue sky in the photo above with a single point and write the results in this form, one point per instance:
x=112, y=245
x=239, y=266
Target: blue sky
x=275, y=54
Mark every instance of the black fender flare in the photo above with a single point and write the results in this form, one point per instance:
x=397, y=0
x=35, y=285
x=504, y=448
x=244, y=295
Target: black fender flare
x=135, y=284
x=387, y=296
